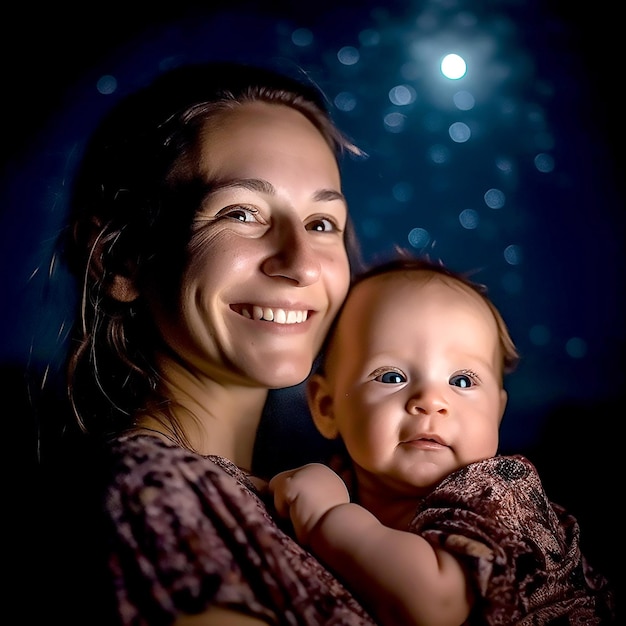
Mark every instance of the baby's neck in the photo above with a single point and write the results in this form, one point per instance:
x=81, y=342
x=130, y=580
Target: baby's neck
x=391, y=508
x=393, y=513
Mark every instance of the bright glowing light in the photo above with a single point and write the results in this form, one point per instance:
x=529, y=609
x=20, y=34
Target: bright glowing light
x=453, y=66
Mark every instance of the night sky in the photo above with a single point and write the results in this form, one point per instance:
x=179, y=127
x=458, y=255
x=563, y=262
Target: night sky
x=510, y=172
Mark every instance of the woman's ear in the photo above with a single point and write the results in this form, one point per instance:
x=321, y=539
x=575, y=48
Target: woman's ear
x=117, y=280
x=122, y=288
x=320, y=402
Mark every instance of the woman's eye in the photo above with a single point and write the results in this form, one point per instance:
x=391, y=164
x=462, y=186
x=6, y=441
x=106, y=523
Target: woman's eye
x=323, y=225
x=463, y=380
x=391, y=377
x=240, y=213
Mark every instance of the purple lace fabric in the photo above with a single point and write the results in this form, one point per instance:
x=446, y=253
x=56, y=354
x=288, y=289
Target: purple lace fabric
x=188, y=531
x=521, y=550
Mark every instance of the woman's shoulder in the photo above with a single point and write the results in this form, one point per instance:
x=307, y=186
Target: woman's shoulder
x=140, y=461
x=159, y=491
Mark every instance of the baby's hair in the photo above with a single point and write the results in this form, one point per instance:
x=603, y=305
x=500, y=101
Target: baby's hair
x=405, y=262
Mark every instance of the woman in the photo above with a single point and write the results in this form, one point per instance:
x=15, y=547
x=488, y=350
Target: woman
x=209, y=236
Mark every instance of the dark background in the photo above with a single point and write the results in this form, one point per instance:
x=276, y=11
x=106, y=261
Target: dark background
x=544, y=76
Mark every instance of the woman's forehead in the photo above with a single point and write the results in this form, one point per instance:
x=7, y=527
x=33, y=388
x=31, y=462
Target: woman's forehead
x=252, y=138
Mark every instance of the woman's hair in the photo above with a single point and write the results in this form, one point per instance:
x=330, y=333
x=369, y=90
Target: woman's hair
x=133, y=202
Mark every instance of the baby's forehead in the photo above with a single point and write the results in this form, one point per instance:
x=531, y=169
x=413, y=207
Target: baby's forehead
x=399, y=280
x=413, y=287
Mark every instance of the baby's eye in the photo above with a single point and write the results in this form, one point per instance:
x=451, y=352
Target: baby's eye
x=464, y=380
x=390, y=377
x=323, y=225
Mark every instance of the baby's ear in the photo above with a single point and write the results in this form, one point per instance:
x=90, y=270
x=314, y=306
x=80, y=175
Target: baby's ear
x=503, y=401
x=320, y=402
x=116, y=275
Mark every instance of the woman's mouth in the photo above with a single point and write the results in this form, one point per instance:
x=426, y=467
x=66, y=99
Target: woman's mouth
x=272, y=314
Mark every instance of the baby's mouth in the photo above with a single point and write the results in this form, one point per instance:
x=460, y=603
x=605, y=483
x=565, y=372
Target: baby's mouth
x=272, y=314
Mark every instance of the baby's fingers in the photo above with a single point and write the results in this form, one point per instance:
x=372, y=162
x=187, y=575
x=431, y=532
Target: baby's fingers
x=279, y=487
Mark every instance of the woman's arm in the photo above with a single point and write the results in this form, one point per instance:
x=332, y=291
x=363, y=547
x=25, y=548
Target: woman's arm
x=398, y=574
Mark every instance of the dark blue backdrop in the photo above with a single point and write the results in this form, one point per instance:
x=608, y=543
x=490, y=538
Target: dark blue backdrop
x=511, y=170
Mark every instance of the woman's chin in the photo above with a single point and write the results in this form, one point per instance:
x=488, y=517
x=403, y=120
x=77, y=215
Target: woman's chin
x=290, y=378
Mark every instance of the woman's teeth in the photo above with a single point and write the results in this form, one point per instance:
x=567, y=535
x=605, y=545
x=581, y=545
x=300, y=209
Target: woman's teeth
x=280, y=316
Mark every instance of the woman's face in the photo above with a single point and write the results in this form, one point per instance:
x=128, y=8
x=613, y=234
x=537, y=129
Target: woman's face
x=267, y=267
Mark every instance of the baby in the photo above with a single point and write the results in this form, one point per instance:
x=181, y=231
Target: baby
x=441, y=529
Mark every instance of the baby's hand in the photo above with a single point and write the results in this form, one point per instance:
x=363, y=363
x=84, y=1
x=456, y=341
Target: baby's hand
x=305, y=494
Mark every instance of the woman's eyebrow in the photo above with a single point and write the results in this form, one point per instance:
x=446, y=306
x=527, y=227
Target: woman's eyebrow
x=263, y=186
x=252, y=184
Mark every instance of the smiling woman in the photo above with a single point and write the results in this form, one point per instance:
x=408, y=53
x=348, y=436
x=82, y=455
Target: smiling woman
x=266, y=237
x=209, y=237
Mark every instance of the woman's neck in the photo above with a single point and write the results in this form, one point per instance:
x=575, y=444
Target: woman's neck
x=215, y=417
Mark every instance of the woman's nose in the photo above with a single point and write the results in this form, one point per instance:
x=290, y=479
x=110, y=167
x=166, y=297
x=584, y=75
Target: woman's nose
x=292, y=255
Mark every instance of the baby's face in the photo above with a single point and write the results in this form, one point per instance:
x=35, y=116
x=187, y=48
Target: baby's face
x=415, y=375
